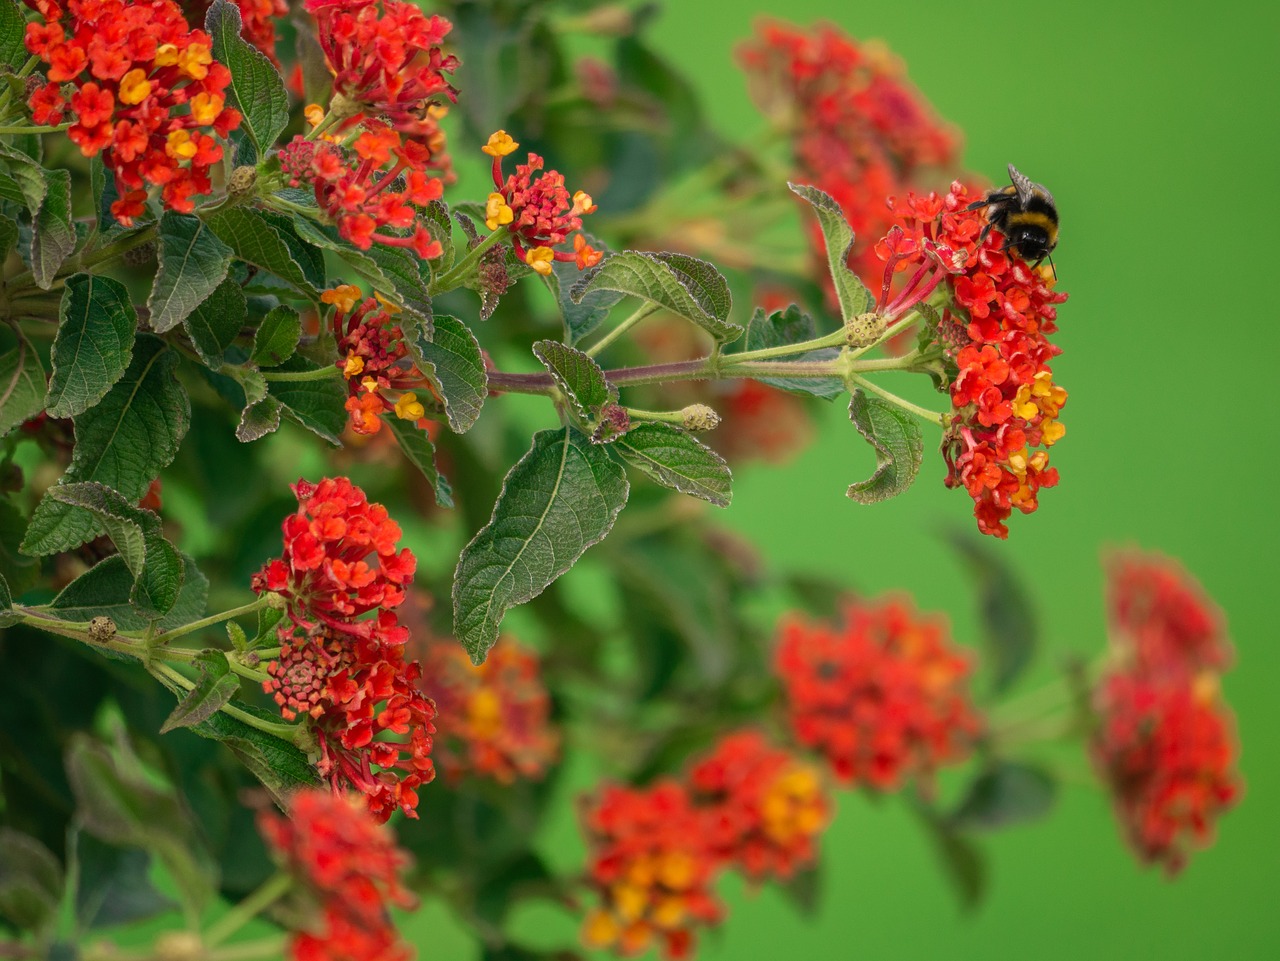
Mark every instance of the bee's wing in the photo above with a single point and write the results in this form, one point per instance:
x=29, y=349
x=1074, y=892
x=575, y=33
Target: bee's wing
x=1026, y=188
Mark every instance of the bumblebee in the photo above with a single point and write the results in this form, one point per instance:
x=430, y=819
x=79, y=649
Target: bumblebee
x=1027, y=216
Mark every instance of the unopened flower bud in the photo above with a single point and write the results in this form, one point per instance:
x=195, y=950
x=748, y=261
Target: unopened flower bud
x=179, y=946
x=242, y=181
x=276, y=601
x=101, y=629
x=864, y=330
x=700, y=417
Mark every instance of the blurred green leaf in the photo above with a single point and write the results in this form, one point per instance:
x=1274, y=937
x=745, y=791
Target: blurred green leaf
x=53, y=238
x=962, y=862
x=1005, y=794
x=278, y=764
x=192, y=262
x=1010, y=627
x=452, y=362
x=94, y=343
x=804, y=890
x=20, y=571
x=122, y=443
x=676, y=459
x=216, y=322
x=277, y=337
x=22, y=379
x=898, y=445
x=30, y=881
x=558, y=500
x=113, y=885
x=216, y=686
x=686, y=286
x=853, y=295
x=117, y=803
x=257, y=89
x=420, y=452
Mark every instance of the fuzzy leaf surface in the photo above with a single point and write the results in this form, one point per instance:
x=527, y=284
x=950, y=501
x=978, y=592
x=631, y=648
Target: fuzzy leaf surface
x=53, y=237
x=254, y=240
x=899, y=448
x=838, y=236
x=277, y=337
x=257, y=89
x=216, y=687
x=191, y=263
x=452, y=362
x=561, y=497
x=792, y=326
x=22, y=380
x=584, y=315
x=94, y=344
x=104, y=591
x=577, y=375
x=215, y=322
x=676, y=459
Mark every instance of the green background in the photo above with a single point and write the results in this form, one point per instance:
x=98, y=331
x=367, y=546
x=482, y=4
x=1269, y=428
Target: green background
x=1157, y=133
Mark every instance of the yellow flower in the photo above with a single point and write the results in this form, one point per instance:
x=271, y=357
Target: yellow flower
x=387, y=305
x=194, y=61
x=540, y=258
x=496, y=212
x=205, y=108
x=408, y=408
x=353, y=366
x=344, y=297
x=134, y=87
x=314, y=114
x=500, y=144
x=180, y=146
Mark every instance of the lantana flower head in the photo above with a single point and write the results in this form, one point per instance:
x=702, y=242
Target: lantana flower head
x=766, y=806
x=535, y=206
x=148, y=95
x=341, y=664
x=388, y=65
x=498, y=713
x=883, y=696
x=652, y=865
x=995, y=328
x=1165, y=740
x=350, y=867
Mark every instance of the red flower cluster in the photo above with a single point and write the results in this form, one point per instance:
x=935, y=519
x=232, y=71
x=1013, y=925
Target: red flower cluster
x=884, y=697
x=498, y=713
x=258, y=19
x=996, y=330
x=386, y=60
x=373, y=359
x=766, y=806
x=351, y=866
x=148, y=95
x=342, y=669
x=1165, y=743
x=537, y=210
x=374, y=184
x=653, y=866
x=861, y=132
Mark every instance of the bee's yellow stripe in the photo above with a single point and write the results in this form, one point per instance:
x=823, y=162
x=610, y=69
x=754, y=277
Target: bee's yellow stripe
x=1031, y=218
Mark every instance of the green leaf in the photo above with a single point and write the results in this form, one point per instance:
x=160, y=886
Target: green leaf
x=117, y=803
x=853, y=295
x=577, y=375
x=113, y=885
x=94, y=344
x=277, y=337
x=8, y=616
x=256, y=241
x=257, y=89
x=403, y=270
x=316, y=405
x=899, y=449
x=1005, y=794
x=21, y=572
x=53, y=238
x=268, y=618
x=13, y=26
x=216, y=687
x=123, y=443
x=277, y=763
x=804, y=891
x=675, y=459
x=9, y=234
x=420, y=452
x=156, y=565
x=452, y=362
x=192, y=262
x=22, y=380
x=258, y=419
x=1007, y=614
x=792, y=326
x=558, y=500
x=684, y=285
x=961, y=861
x=436, y=214
x=584, y=315
x=104, y=591
x=30, y=879
x=215, y=323
x=26, y=182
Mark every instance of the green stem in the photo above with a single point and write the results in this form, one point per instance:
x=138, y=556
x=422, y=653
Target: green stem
x=327, y=121
x=932, y=416
x=267, y=893
x=286, y=732
x=459, y=271
x=25, y=128
x=834, y=339
x=201, y=624
x=320, y=373
x=643, y=311
x=659, y=416
x=263, y=948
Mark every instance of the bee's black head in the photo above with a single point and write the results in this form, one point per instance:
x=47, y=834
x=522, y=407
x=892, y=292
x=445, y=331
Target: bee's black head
x=1033, y=243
